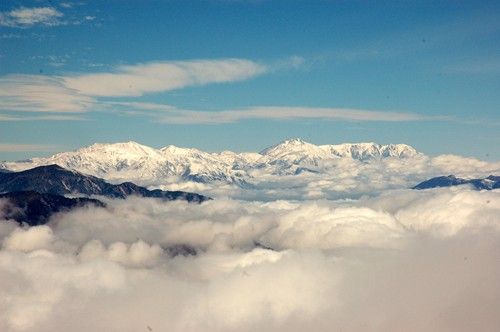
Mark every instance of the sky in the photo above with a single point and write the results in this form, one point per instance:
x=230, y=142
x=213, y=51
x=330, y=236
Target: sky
x=243, y=75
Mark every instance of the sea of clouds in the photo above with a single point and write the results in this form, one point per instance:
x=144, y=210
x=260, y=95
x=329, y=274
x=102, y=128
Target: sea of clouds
x=403, y=260
x=334, y=178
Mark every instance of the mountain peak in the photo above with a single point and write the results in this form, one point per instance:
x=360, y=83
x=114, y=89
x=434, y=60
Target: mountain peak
x=49, y=169
x=287, y=145
x=294, y=141
x=175, y=150
x=126, y=150
x=145, y=165
x=131, y=145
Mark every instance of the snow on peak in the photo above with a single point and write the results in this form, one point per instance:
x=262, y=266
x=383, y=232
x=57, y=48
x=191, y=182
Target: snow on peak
x=294, y=141
x=126, y=148
x=177, y=151
x=131, y=161
x=289, y=145
x=360, y=151
x=364, y=151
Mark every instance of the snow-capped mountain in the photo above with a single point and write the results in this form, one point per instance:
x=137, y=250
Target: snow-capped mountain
x=146, y=165
x=297, y=152
x=292, y=169
x=295, y=149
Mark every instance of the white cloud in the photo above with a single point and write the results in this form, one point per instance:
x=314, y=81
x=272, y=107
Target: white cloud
x=380, y=222
x=26, y=17
x=29, y=239
x=288, y=113
x=138, y=254
x=37, y=93
x=334, y=179
x=136, y=80
x=171, y=114
x=66, y=4
x=380, y=263
x=75, y=94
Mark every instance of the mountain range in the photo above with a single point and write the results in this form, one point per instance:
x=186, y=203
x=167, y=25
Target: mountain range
x=34, y=195
x=488, y=183
x=38, y=187
x=145, y=165
x=54, y=179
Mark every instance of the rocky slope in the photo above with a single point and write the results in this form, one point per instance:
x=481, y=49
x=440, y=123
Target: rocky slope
x=54, y=179
x=34, y=208
x=488, y=183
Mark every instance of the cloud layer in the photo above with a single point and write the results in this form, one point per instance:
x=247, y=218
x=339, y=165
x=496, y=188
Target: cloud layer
x=335, y=179
x=84, y=92
x=77, y=93
x=406, y=260
x=37, y=93
x=170, y=114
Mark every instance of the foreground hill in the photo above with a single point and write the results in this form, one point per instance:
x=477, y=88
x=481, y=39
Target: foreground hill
x=34, y=208
x=56, y=180
x=488, y=183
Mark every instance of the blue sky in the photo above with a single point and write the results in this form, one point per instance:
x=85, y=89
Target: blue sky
x=243, y=75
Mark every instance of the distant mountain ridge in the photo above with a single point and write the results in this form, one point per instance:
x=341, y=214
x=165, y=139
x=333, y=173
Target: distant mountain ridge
x=140, y=163
x=35, y=208
x=488, y=183
x=54, y=179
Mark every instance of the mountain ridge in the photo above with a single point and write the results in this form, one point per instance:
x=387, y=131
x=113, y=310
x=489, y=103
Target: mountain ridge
x=56, y=180
x=34, y=208
x=137, y=162
x=488, y=183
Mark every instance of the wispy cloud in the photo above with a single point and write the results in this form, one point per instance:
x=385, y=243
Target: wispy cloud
x=66, y=4
x=170, y=114
x=10, y=36
x=77, y=93
x=51, y=117
x=82, y=93
x=27, y=17
x=51, y=59
x=137, y=80
x=16, y=147
x=37, y=93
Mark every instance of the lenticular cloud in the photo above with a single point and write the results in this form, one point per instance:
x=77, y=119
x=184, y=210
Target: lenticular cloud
x=404, y=260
